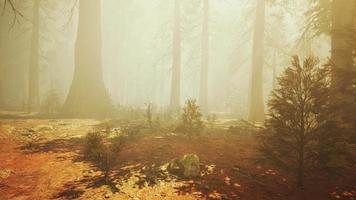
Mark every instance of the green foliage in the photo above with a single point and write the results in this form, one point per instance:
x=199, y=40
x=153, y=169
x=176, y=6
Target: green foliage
x=299, y=132
x=94, y=145
x=191, y=118
x=103, y=151
x=109, y=154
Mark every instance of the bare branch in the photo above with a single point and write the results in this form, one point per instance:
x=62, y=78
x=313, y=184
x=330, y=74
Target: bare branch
x=16, y=12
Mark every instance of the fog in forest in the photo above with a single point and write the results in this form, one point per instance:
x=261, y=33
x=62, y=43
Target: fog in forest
x=137, y=44
x=178, y=99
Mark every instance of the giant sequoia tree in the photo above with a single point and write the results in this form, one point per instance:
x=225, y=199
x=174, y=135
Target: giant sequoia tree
x=203, y=95
x=256, y=111
x=176, y=57
x=88, y=96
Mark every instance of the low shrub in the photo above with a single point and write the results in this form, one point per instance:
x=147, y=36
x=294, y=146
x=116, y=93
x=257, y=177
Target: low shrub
x=103, y=152
x=94, y=145
x=191, y=118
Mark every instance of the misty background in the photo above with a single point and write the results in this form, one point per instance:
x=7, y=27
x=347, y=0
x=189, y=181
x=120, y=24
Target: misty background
x=137, y=49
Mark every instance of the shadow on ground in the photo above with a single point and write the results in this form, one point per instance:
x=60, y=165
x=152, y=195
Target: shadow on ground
x=145, y=165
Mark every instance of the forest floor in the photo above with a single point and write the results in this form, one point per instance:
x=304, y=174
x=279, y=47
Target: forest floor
x=43, y=159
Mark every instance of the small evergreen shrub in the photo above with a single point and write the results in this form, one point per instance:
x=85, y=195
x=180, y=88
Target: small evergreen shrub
x=103, y=152
x=191, y=118
x=94, y=145
x=300, y=131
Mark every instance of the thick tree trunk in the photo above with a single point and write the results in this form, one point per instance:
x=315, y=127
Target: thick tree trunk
x=342, y=47
x=203, y=95
x=88, y=96
x=33, y=79
x=256, y=112
x=176, y=60
x=342, y=35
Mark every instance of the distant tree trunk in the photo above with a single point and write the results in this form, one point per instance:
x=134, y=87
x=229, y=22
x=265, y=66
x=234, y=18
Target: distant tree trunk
x=176, y=60
x=203, y=95
x=88, y=96
x=33, y=80
x=274, y=70
x=162, y=85
x=342, y=35
x=256, y=112
x=2, y=59
x=1, y=81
